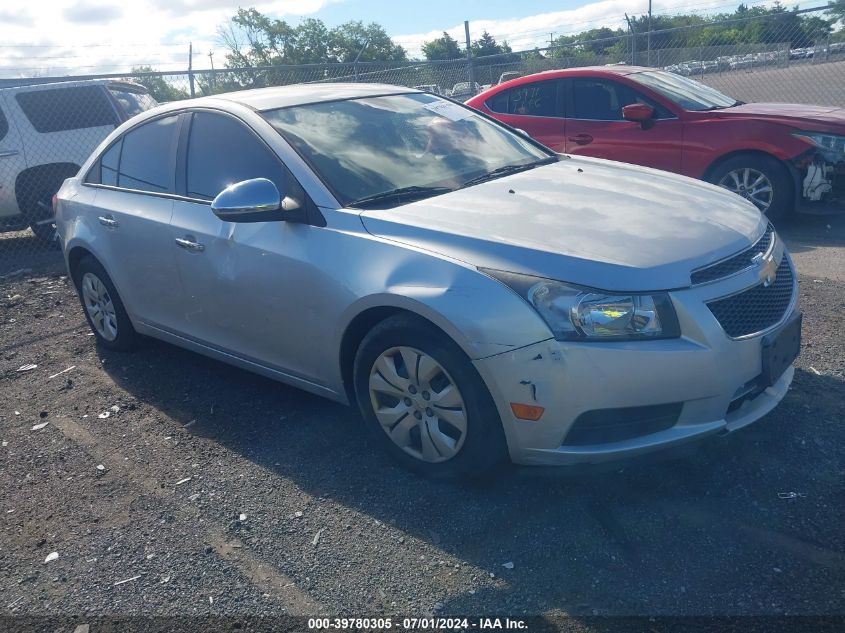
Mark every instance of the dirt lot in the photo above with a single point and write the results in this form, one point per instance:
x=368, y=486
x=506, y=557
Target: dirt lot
x=170, y=484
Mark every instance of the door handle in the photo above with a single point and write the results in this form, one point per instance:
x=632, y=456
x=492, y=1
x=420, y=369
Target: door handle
x=9, y=152
x=109, y=221
x=189, y=245
x=581, y=139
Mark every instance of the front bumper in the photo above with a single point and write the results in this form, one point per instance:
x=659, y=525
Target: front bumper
x=705, y=373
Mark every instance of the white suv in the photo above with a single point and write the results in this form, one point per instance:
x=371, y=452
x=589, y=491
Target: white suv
x=46, y=132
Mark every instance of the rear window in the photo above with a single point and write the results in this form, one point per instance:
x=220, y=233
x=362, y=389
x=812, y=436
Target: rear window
x=60, y=109
x=132, y=101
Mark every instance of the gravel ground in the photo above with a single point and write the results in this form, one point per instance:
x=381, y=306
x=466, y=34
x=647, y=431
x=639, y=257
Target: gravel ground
x=170, y=484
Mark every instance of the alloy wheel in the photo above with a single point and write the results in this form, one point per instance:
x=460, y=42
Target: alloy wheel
x=751, y=184
x=418, y=404
x=99, y=305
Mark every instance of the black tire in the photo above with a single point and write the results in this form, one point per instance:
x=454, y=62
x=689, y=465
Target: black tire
x=783, y=188
x=484, y=446
x=126, y=337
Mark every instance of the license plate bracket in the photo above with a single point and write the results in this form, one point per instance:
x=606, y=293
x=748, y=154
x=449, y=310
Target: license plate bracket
x=780, y=348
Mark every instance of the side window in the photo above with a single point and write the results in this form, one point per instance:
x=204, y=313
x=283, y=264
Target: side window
x=145, y=160
x=110, y=163
x=142, y=159
x=223, y=151
x=4, y=126
x=60, y=109
x=603, y=100
x=535, y=99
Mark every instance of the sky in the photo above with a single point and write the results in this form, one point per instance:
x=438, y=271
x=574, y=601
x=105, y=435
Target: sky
x=59, y=37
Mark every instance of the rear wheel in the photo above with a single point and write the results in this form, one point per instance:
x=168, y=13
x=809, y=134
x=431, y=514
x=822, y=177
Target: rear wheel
x=104, y=310
x=425, y=403
x=762, y=180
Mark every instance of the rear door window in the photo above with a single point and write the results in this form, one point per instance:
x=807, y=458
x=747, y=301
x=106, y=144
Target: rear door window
x=540, y=98
x=61, y=109
x=142, y=160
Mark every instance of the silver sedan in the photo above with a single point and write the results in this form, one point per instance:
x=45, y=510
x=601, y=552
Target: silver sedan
x=477, y=296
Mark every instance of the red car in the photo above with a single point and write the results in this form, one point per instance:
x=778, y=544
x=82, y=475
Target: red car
x=777, y=155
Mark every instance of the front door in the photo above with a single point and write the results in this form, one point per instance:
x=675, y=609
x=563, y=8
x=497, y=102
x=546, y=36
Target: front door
x=595, y=127
x=246, y=284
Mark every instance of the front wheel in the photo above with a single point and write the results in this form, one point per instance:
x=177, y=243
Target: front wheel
x=762, y=180
x=425, y=403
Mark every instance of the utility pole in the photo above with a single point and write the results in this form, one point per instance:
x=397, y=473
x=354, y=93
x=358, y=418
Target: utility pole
x=648, y=42
x=357, y=57
x=191, y=67
x=551, y=39
x=211, y=59
x=469, y=58
x=633, y=40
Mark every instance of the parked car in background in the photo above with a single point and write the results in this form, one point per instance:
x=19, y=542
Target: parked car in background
x=434, y=88
x=473, y=293
x=507, y=76
x=776, y=155
x=464, y=90
x=46, y=132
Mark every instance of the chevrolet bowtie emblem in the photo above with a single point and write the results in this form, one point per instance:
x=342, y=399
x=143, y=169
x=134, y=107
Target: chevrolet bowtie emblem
x=768, y=268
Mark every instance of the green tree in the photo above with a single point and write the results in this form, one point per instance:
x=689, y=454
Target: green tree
x=347, y=41
x=159, y=88
x=445, y=47
x=836, y=10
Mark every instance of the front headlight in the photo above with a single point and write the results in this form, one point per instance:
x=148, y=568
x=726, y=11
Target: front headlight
x=826, y=143
x=578, y=313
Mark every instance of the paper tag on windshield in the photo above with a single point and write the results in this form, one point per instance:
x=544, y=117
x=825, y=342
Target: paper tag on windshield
x=451, y=111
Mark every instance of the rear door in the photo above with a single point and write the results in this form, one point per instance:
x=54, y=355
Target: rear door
x=12, y=160
x=537, y=108
x=595, y=127
x=135, y=182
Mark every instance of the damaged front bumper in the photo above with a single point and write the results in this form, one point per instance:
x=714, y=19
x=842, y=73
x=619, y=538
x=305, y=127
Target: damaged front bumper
x=617, y=400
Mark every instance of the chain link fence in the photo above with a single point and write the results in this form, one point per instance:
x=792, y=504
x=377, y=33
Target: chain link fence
x=48, y=126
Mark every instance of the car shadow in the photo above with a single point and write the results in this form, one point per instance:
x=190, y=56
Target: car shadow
x=804, y=232
x=750, y=524
x=22, y=251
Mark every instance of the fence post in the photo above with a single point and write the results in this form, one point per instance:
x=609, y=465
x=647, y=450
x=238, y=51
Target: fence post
x=191, y=67
x=469, y=58
x=633, y=41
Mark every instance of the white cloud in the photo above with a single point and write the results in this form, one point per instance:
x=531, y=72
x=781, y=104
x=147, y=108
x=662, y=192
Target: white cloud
x=100, y=36
x=525, y=33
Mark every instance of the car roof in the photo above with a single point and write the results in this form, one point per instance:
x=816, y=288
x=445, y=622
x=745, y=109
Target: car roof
x=300, y=94
x=36, y=83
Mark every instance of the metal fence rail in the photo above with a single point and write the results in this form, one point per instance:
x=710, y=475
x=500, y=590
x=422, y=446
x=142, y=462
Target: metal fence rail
x=47, y=130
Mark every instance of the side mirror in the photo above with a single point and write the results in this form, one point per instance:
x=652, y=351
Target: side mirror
x=256, y=200
x=639, y=113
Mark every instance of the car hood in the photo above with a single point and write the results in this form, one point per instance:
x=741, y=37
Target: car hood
x=786, y=111
x=583, y=220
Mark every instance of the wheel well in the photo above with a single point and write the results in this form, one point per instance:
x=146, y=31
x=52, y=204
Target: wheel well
x=742, y=152
x=355, y=332
x=74, y=257
x=32, y=182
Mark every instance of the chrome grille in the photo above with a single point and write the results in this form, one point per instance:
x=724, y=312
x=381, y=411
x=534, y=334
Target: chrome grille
x=735, y=263
x=757, y=308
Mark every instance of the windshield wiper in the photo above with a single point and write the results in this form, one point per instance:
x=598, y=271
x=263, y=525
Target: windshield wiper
x=400, y=195
x=506, y=170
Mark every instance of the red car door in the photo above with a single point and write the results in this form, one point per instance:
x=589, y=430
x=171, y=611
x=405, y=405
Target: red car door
x=595, y=127
x=537, y=108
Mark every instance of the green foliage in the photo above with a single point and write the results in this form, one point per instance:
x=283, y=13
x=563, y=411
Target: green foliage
x=253, y=39
x=445, y=47
x=158, y=86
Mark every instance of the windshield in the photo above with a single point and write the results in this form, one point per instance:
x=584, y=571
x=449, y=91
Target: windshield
x=687, y=93
x=362, y=148
x=132, y=101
